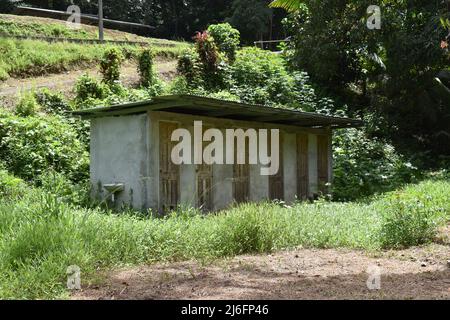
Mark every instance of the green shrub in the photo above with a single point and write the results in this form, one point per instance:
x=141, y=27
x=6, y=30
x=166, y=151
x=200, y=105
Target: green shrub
x=110, y=65
x=10, y=186
x=51, y=102
x=409, y=222
x=146, y=68
x=27, y=106
x=189, y=67
x=31, y=146
x=364, y=166
x=226, y=38
x=261, y=77
x=88, y=87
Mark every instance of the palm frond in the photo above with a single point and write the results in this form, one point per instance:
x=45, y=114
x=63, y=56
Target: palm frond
x=288, y=5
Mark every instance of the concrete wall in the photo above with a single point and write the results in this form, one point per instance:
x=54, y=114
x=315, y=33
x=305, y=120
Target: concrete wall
x=126, y=150
x=119, y=155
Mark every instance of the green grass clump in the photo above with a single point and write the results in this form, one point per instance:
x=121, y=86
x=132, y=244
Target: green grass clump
x=41, y=235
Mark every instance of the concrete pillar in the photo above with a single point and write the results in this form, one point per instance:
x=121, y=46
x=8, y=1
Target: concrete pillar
x=290, y=166
x=259, y=185
x=312, y=164
x=222, y=186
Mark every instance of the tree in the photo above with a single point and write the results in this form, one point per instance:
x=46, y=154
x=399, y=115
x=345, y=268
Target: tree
x=396, y=72
x=252, y=18
x=6, y=6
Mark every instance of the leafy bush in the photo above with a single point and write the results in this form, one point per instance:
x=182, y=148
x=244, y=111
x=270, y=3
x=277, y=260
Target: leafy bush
x=110, y=65
x=261, y=77
x=27, y=106
x=189, y=67
x=145, y=68
x=10, y=186
x=364, y=166
x=88, y=87
x=226, y=38
x=51, y=102
x=31, y=146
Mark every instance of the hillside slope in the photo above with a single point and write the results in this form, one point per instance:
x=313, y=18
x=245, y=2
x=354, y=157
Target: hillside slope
x=27, y=64
x=45, y=27
x=22, y=58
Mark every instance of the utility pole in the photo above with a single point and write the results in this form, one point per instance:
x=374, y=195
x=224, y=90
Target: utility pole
x=100, y=20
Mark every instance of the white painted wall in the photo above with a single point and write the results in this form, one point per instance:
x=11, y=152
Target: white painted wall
x=118, y=155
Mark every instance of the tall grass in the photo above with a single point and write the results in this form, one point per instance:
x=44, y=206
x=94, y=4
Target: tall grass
x=21, y=58
x=41, y=237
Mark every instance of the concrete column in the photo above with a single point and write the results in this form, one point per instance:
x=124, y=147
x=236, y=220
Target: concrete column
x=152, y=178
x=312, y=164
x=259, y=185
x=290, y=166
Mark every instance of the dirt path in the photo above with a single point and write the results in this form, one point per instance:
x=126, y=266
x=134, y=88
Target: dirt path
x=418, y=273
x=64, y=82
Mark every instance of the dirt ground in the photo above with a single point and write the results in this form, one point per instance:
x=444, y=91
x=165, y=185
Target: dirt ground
x=417, y=273
x=64, y=82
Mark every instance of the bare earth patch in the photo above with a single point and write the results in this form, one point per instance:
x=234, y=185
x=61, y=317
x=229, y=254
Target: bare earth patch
x=64, y=82
x=417, y=273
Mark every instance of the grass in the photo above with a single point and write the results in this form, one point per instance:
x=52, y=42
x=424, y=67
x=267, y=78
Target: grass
x=45, y=27
x=40, y=236
x=21, y=58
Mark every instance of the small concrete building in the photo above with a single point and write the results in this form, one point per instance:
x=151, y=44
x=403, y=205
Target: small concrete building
x=131, y=146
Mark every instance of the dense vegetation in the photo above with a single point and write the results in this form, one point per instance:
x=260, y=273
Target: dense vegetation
x=180, y=19
x=47, y=221
x=398, y=74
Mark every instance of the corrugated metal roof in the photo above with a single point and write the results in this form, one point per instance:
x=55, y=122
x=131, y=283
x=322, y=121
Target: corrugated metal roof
x=209, y=107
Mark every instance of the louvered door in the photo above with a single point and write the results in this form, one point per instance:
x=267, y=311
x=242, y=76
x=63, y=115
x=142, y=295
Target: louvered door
x=276, y=182
x=169, y=172
x=323, y=162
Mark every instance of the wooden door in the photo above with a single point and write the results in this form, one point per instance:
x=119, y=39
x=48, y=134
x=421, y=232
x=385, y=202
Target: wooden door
x=323, y=162
x=276, y=182
x=169, y=173
x=204, y=184
x=241, y=178
x=302, y=167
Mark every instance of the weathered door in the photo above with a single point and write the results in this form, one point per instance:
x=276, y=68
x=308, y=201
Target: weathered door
x=302, y=167
x=169, y=173
x=204, y=183
x=276, y=182
x=322, y=162
x=241, y=179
